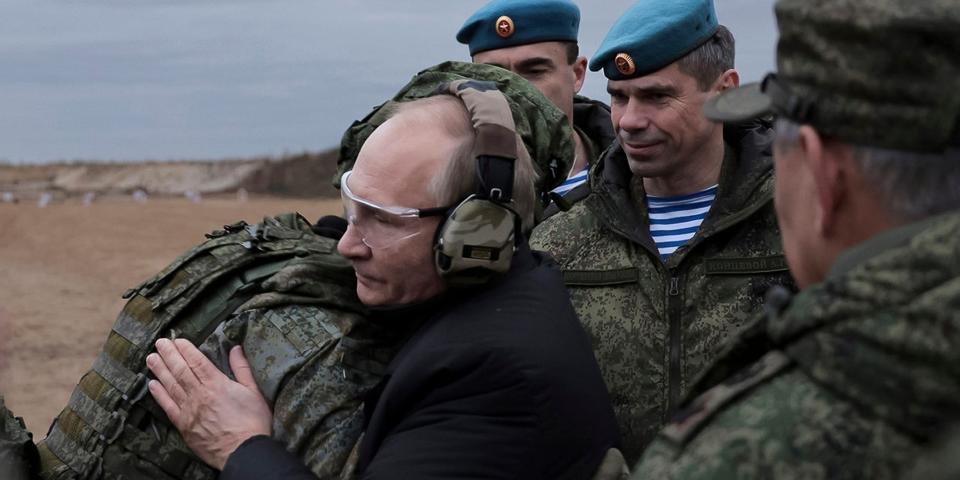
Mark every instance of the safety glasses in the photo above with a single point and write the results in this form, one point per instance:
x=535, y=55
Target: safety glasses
x=382, y=226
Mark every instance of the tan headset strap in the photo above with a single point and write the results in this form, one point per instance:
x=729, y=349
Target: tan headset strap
x=496, y=146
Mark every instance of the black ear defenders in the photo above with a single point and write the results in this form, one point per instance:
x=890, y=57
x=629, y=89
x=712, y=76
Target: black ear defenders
x=478, y=237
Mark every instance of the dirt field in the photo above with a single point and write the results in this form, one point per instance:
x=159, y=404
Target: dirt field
x=64, y=267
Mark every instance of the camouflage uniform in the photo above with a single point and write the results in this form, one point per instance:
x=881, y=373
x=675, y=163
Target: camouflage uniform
x=18, y=455
x=858, y=373
x=656, y=325
x=850, y=380
x=313, y=348
x=313, y=363
x=310, y=345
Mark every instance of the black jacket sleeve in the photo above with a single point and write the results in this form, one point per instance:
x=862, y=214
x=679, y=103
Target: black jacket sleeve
x=262, y=457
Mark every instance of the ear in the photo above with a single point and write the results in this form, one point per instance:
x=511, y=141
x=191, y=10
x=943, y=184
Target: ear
x=728, y=80
x=580, y=73
x=827, y=170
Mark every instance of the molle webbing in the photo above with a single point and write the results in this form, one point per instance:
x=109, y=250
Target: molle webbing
x=111, y=427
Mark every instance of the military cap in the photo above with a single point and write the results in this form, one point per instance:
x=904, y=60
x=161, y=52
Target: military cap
x=543, y=127
x=882, y=73
x=508, y=23
x=653, y=34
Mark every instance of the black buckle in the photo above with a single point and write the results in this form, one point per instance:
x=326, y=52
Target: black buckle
x=227, y=229
x=235, y=227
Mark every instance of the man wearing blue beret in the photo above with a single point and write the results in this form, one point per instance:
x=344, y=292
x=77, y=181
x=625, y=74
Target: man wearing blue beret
x=537, y=39
x=856, y=375
x=677, y=242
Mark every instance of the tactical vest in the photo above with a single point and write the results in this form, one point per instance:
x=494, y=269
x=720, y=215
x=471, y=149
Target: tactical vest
x=111, y=427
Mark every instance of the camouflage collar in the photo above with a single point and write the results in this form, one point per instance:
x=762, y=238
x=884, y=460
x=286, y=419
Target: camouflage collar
x=881, y=243
x=745, y=183
x=809, y=310
x=879, y=330
x=873, y=339
x=611, y=199
x=745, y=177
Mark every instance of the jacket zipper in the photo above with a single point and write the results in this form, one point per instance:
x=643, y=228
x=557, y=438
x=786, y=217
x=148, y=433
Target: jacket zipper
x=673, y=287
x=673, y=314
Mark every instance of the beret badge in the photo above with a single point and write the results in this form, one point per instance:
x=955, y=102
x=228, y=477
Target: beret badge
x=505, y=27
x=625, y=64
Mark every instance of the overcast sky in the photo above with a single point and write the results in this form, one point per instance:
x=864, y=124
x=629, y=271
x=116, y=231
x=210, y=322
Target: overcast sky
x=201, y=79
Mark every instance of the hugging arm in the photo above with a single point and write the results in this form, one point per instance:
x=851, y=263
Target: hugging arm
x=214, y=414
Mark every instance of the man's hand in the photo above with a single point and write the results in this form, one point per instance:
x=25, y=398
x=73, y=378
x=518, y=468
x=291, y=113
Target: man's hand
x=213, y=413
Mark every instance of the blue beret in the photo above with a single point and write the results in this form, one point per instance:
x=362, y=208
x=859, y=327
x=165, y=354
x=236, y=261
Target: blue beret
x=507, y=23
x=653, y=34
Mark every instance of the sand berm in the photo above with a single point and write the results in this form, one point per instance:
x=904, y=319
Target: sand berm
x=64, y=266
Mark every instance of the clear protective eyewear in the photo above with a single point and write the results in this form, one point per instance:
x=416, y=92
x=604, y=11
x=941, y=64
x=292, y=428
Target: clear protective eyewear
x=382, y=226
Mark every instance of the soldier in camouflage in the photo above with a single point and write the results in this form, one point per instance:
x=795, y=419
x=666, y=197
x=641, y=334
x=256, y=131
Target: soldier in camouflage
x=658, y=309
x=497, y=382
x=857, y=374
x=280, y=291
x=304, y=329
x=537, y=39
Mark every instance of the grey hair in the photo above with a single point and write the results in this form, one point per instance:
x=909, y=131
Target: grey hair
x=458, y=179
x=708, y=61
x=912, y=185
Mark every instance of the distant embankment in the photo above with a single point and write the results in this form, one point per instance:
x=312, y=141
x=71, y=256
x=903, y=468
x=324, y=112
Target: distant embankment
x=303, y=175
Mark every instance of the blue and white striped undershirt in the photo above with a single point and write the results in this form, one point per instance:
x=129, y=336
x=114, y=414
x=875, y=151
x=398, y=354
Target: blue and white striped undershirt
x=573, y=182
x=675, y=220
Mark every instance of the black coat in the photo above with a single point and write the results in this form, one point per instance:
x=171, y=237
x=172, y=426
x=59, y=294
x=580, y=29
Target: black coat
x=499, y=382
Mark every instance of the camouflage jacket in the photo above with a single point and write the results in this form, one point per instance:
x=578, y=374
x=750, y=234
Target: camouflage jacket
x=311, y=345
x=18, y=455
x=851, y=380
x=655, y=325
x=314, y=358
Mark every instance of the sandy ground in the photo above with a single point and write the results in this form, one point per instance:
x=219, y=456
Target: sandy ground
x=64, y=267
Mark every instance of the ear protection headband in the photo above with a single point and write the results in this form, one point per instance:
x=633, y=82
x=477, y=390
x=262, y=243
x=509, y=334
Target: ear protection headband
x=478, y=237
